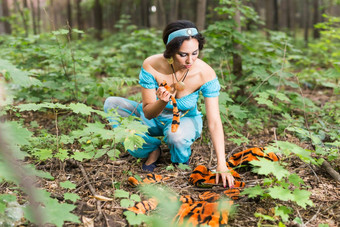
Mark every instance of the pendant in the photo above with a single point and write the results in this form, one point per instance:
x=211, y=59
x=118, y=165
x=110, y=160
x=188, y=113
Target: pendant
x=180, y=86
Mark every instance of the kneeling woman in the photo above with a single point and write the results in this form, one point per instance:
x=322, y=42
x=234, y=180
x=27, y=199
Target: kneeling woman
x=186, y=76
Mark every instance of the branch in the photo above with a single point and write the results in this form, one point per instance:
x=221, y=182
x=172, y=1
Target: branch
x=330, y=170
x=93, y=191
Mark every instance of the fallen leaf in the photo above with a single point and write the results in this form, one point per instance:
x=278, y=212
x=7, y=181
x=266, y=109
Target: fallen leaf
x=101, y=198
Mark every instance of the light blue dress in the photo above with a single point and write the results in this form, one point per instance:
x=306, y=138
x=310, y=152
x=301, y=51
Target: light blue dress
x=190, y=127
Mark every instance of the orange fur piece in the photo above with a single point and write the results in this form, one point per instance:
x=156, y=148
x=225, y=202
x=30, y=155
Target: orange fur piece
x=176, y=118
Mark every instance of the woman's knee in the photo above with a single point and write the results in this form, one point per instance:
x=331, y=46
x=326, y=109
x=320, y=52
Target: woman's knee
x=178, y=138
x=112, y=102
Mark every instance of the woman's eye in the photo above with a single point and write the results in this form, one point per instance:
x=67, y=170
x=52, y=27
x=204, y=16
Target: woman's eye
x=195, y=53
x=182, y=55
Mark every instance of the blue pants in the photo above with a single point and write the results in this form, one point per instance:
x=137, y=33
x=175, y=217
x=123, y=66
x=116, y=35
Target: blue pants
x=178, y=142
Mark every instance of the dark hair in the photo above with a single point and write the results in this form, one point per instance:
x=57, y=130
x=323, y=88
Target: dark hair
x=173, y=46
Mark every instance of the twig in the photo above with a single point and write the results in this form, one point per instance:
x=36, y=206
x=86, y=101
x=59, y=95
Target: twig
x=211, y=154
x=314, y=216
x=93, y=191
x=314, y=173
x=335, y=204
x=303, y=224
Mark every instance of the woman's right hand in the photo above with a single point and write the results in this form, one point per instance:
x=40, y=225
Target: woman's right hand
x=163, y=94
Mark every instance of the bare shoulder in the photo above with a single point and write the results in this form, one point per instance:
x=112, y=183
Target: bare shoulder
x=152, y=63
x=206, y=71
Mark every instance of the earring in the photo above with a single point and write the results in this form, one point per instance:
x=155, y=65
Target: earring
x=170, y=60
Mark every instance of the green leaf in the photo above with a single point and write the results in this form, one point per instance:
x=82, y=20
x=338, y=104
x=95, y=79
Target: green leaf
x=54, y=212
x=281, y=193
x=135, y=197
x=266, y=167
x=43, y=154
x=253, y=191
x=2, y=207
x=19, y=77
x=133, y=142
x=126, y=203
x=119, y=193
x=170, y=168
x=298, y=220
x=81, y=108
x=295, y=179
x=16, y=133
x=264, y=217
x=68, y=185
x=80, y=156
x=71, y=196
x=60, y=32
x=62, y=154
x=135, y=219
x=183, y=166
x=237, y=112
x=283, y=212
x=301, y=197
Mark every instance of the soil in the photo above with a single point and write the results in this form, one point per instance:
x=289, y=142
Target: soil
x=104, y=175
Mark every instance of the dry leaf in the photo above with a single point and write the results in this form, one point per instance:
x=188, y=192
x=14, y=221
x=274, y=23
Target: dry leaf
x=88, y=222
x=101, y=198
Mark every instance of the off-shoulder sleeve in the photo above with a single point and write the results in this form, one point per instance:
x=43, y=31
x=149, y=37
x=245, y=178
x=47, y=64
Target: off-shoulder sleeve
x=211, y=88
x=146, y=79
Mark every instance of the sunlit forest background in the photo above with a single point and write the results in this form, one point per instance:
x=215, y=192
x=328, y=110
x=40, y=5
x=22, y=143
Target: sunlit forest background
x=61, y=163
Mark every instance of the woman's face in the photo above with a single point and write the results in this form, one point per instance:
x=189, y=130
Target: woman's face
x=187, y=54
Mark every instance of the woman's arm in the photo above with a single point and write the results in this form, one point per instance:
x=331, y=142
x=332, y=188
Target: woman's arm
x=151, y=106
x=217, y=136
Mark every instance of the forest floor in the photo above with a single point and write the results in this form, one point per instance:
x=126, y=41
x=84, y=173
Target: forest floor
x=104, y=173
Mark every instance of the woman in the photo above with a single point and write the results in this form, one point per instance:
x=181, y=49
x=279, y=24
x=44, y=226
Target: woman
x=187, y=76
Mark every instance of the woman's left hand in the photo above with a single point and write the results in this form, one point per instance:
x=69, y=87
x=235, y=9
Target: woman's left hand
x=225, y=174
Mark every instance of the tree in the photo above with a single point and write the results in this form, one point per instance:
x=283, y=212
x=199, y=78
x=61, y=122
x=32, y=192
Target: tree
x=237, y=60
x=98, y=19
x=80, y=21
x=6, y=14
x=144, y=12
x=201, y=14
x=34, y=25
x=22, y=14
x=316, y=18
x=173, y=12
x=306, y=24
x=161, y=16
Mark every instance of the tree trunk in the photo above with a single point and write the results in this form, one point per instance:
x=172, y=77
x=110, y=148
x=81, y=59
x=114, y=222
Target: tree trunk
x=173, y=14
x=161, y=16
x=201, y=11
x=69, y=19
x=5, y=12
x=316, y=18
x=33, y=18
x=276, y=15
x=22, y=15
x=306, y=24
x=237, y=60
x=269, y=7
x=145, y=13
x=80, y=21
x=69, y=13
x=98, y=19
x=283, y=19
x=38, y=17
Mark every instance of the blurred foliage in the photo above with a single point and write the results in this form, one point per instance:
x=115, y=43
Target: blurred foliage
x=66, y=81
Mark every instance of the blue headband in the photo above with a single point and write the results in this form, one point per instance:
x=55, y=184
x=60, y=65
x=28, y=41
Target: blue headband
x=182, y=32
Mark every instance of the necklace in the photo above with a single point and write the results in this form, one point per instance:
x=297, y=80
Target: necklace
x=180, y=85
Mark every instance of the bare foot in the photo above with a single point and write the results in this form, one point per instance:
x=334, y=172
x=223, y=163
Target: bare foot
x=153, y=156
